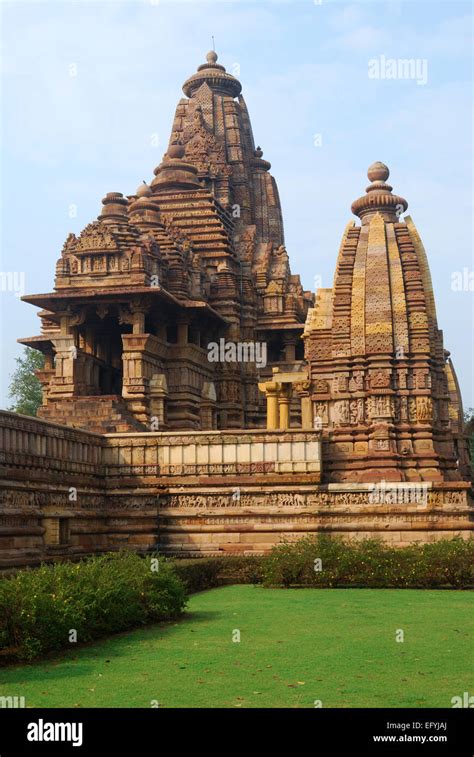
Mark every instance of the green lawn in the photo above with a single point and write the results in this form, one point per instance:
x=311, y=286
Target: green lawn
x=296, y=646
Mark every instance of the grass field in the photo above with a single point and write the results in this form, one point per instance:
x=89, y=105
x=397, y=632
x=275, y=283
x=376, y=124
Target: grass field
x=296, y=646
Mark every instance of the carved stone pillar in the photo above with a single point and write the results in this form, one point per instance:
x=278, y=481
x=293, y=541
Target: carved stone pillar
x=284, y=396
x=138, y=322
x=158, y=394
x=45, y=376
x=182, y=328
x=136, y=382
x=208, y=406
x=302, y=389
x=271, y=391
x=63, y=381
x=289, y=345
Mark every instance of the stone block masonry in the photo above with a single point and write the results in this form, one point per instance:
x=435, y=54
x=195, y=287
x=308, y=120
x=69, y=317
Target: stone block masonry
x=66, y=493
x=52, y=494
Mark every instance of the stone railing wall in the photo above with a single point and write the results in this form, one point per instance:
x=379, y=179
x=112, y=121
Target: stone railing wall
x=48, y=448
x=212, y=453
x=65, y=493
x=185, y=474
x=52, y=495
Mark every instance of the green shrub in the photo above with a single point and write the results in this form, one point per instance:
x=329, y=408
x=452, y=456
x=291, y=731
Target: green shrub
x=119, y=591
x=452, y=560
x=241, y=569
x=297, y=563
x=95, y=597
x=206, y=573
x=366, y=563
x=199, y=574
x=370, y=563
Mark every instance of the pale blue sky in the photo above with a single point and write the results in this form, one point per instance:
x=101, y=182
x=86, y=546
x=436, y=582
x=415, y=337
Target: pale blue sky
x=67, y=140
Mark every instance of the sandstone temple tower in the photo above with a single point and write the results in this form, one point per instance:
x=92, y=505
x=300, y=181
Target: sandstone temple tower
x=194, y=257
x=384, y=390
x=352, y=424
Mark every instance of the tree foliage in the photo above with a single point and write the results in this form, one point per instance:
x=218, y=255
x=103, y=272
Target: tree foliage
x=469, y=421
x=25, y=389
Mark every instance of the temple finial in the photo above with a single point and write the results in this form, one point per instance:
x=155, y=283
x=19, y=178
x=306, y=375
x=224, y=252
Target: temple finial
x=379, y=197
x=378, y=171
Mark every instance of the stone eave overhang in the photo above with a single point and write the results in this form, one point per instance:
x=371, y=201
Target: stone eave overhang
x=200, y=305
x=36, y=341
x=272, y=326
x=54, y=301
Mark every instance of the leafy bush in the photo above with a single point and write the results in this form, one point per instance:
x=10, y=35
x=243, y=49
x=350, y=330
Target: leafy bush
x=367, y=563
x=199, y=574
x=328, y=561
x=205, y=573
x=452, y=561
x=97, y=596
x=119, y=591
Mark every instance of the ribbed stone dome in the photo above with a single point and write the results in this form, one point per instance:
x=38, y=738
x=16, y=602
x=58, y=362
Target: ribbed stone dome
x=379, y=197
x=215, y=76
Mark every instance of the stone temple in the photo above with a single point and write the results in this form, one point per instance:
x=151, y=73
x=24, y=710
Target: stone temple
x=197, y=400
x=195, y=257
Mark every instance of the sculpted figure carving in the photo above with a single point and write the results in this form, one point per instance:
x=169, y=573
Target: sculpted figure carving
x=356, y=382
x=424, y=408
x=341, y=412
x=412, y=414
x=357, y=410
x=321, y=411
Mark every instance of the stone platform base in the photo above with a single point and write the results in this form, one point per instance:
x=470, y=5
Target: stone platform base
x=215, y=521
x=66, y=493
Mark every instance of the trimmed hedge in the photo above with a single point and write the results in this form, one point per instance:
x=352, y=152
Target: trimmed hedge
x=448, y=563
x=95, y=597
x=328, y=561
x=205, y=573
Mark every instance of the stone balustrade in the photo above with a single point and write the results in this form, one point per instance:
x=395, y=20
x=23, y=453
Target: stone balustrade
x=212, y=453
x=40, y=446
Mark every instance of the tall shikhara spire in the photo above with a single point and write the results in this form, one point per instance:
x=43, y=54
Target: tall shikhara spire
x=213, y=124
x=195, y=256
x=383, y=388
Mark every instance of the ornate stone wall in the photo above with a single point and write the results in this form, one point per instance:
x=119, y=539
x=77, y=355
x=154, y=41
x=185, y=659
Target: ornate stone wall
x=66, y=493
x=52, y=499
x=209, y=521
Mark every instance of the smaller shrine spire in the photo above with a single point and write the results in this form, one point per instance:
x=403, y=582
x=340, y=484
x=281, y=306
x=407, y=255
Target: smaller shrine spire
x=379, y=197
x=174, y=171
x=114, y=208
